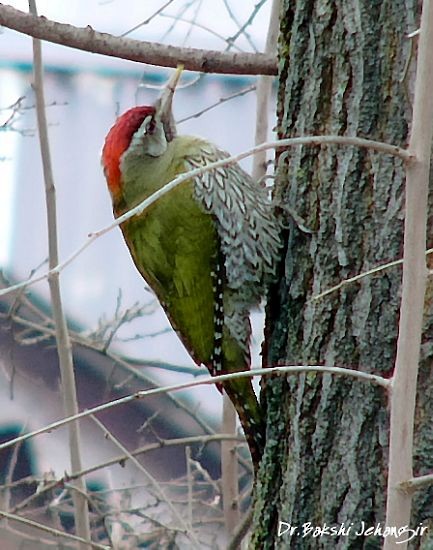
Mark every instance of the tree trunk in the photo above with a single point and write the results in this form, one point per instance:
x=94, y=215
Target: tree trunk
x=345, y=69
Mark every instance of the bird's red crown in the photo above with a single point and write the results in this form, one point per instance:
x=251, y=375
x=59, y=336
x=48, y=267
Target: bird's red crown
x=117, y=142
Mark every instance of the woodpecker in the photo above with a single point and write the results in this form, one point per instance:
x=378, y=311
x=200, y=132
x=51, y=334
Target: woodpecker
x=206, y=248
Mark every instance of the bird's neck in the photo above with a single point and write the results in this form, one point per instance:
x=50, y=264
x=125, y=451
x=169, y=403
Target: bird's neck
x=143, y=174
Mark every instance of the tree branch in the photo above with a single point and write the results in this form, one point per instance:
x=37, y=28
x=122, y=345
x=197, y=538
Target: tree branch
x=416, y=483
x=52, y=531
x=151, y=53
x=64, y=350
x=348, y=141
x=404, y=382
x=229, y=468
x=157, y=487
x=356, y=278
x=263, y=93
x=292, y=370
x=121, y=459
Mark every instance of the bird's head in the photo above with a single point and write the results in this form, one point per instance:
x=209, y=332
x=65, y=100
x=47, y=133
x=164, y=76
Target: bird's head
x=146, y=129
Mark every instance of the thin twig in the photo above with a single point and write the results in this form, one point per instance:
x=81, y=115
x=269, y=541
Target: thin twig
x=189, y=481
x=64, y=351
x=121, y=459
x=404, y=385
x=47, y=332
x=360, y=276
x=15, y=109
x=289, y=371
x=416, y=483
x=31, y=541
x=239, y=26
x=148, y=20
x=200, y=26
x=248, y=22
x=130, y=365
x=348, y=141
x=218, y=103
x=192, y=22
x=5, y=489
x=182, y=10
x=55, y=532
x=263, y=93
x=158, y=489
x=229, y=469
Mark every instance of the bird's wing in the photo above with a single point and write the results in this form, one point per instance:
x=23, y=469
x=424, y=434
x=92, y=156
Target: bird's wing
x=246, y=224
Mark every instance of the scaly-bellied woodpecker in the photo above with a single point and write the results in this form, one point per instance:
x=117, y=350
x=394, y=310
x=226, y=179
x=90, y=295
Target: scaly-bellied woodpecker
x=205, y=248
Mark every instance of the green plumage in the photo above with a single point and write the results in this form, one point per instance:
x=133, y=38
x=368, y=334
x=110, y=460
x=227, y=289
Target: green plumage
x=175, y=247
x=206, y=247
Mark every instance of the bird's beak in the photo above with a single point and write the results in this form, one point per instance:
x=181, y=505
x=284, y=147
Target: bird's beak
x=163, y=106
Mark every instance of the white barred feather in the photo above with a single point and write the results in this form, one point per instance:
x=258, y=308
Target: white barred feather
x=248, y=230
x=247, y=227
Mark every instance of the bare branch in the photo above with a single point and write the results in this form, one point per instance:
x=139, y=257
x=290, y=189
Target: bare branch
x=416, y=483
x=229, y=469
x=288, y=371
x=348, y=141
x=218, y=103
x=52, y=531
x=151, y=53
x=240, y=27
x=16, y=109
x=70, y=404
x=127, y=364
x=241, y=531
x=149, y=19
x=157, y=487
x=263, y=93
x=121, y=459
x=248, y=22
x=360, y=276
x=404, y=385
x=200, y=26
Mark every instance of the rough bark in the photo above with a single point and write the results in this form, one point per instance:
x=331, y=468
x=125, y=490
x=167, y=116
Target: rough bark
x=343, y=70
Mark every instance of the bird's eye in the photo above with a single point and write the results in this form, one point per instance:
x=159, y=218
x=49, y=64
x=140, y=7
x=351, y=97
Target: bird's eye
x=150, y=126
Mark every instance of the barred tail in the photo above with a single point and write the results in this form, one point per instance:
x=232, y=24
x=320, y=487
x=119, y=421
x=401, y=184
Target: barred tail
x=242, y=396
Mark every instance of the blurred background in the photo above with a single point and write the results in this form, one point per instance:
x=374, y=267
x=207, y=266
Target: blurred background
x=84, y=94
